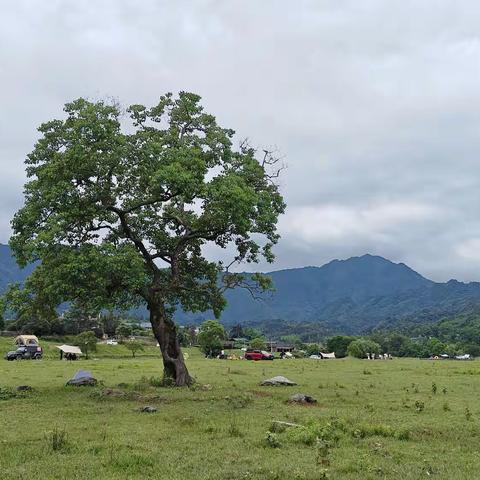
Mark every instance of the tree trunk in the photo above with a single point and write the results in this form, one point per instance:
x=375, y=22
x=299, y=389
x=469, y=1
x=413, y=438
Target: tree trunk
x=165, y=332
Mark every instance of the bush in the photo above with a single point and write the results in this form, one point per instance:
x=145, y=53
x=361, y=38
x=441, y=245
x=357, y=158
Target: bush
x=272, y=440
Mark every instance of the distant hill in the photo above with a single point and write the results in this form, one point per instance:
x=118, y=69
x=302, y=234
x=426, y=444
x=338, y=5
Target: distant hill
x=9, y=270
x=350, y=296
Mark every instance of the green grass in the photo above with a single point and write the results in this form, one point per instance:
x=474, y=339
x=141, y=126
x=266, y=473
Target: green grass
x=373, y=420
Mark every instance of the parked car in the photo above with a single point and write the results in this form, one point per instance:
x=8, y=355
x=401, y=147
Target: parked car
x=25, y=352
x=258, y=355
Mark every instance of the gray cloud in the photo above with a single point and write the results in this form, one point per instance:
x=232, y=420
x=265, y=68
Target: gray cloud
x=374, y=104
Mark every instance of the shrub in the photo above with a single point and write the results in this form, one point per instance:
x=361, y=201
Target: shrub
x=272, y=440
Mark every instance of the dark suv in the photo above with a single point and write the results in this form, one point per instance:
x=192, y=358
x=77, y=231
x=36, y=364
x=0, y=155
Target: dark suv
x=34, y=352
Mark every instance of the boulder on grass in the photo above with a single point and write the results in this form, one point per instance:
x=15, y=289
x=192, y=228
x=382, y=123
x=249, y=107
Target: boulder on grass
x=302, y=398
x=279, y=380
x=24, y=388
x=147, y=409
x=82, y=378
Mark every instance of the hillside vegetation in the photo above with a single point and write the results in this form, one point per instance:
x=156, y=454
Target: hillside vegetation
x=348, y=296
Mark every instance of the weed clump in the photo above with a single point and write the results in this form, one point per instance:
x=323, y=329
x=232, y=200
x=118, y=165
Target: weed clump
x=468, y=414
x=419, y=406
x=57, y=440
x=7, y=393
x=310, y=434
x=233, y=429
x=272, y=440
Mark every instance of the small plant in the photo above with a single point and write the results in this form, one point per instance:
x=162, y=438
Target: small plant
x=57, y=440
x=366, y=372
x=210, y=429
x=468, y=414
x=6, y=393
x=444, y=390
x=446, y=407
x=434, y=388
x=323, y=449
x=156, y=382
x=233, y=429
x=419, y=406
x=402, y=434
x=272, y=440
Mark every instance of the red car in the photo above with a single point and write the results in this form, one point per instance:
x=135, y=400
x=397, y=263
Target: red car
x=258, y=355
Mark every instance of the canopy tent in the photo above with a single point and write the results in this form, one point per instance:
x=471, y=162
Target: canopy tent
x=71, y=352
x=70, y=349
x=327, y=355
x=26, y=340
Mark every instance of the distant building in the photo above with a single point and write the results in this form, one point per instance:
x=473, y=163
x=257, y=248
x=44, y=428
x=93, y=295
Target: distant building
x=279, y=347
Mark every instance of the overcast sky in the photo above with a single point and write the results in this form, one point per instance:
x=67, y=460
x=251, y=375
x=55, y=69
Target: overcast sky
x=374, y=104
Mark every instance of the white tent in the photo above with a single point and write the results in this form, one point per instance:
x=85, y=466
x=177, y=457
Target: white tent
x=70, y=349
x=327, y=355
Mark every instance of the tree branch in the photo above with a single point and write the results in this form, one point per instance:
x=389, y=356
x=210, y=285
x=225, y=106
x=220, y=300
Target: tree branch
x=130, y=235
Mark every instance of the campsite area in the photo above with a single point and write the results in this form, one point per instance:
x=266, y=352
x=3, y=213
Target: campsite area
x=401, y=418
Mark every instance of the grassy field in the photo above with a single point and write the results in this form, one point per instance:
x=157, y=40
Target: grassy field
x=404, y=419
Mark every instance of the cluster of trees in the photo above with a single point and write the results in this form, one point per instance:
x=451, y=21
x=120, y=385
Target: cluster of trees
x=75, y=320
x=213, y=335
x=398, y=345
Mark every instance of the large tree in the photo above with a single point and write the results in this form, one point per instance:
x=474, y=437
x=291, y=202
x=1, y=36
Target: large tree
x=120, y=205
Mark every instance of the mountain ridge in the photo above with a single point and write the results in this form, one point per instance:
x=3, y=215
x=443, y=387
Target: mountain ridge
x=346, y=295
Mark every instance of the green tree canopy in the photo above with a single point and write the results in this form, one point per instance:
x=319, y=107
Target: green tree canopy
x=211, y=337
x=124, y=330
x=257, y=343
x=339, y=344
x=120, y=204
x=87, y=341
x=360, y=347
x=134, y=346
